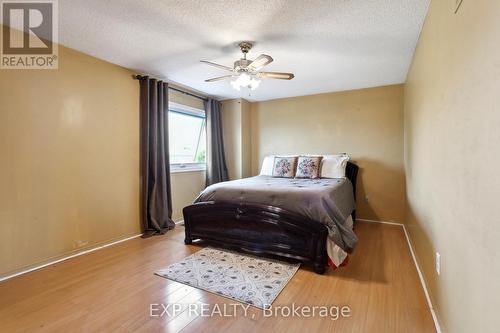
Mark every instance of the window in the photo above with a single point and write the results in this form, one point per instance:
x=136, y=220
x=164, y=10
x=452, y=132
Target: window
x=187, y=138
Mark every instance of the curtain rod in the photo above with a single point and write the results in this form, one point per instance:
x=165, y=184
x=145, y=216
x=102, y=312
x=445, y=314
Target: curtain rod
x=138, y=77
x=188, y=93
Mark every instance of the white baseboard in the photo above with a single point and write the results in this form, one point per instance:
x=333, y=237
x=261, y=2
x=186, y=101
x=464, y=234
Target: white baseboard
x=52, y=262
x=383, y=222
x=420, y=275
x=422, y=281
x=67, y=257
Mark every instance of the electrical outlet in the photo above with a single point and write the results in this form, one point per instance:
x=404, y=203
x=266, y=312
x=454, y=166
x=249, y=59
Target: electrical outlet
x=367, y=199
x=438, y=263
x=80, y=243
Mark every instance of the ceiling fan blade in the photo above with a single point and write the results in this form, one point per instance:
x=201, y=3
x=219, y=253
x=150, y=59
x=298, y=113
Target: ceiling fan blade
x=217, y=65
x=276, y=75
x=218, y=78
x=260, y=62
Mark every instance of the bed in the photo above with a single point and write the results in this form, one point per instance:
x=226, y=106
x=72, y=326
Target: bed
x=266, y=216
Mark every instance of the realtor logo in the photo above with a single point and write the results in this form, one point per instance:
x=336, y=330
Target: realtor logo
x=29, y=34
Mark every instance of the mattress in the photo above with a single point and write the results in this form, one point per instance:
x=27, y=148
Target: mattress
x=328, y=201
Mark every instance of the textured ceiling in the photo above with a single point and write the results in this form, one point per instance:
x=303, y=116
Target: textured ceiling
x=330, y=45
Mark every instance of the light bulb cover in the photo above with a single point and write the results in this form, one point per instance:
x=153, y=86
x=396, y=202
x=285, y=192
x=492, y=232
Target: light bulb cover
x=254, y=83
x=245, y=80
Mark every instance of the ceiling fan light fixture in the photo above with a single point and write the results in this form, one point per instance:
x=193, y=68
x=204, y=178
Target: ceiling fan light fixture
x=247, y=72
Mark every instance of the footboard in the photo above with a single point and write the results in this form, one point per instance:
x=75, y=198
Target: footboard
x=259, y=230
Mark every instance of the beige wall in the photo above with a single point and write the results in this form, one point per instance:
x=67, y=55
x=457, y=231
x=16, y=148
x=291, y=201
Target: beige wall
x=236, y=132
x=452, y=123
x=186, y=186
x=69, y=170
x=177, y=97
x=69, y=160
x=367, y=124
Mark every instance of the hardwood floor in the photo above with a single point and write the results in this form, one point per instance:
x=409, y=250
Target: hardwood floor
x=112, y=289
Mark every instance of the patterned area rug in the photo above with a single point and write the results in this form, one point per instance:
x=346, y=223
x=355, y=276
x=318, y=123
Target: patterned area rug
x=248, y=279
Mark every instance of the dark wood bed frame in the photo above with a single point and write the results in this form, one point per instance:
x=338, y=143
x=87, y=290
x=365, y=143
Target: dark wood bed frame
x=261, y=230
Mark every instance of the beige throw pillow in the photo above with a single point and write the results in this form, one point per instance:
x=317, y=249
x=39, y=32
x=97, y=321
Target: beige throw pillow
x=308, y=167
x=284, y=166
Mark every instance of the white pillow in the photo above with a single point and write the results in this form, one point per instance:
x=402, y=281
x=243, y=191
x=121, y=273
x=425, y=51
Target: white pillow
x=267, y=166
x=333, y=166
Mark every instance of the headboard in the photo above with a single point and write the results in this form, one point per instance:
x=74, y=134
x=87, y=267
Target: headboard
x=351, y=172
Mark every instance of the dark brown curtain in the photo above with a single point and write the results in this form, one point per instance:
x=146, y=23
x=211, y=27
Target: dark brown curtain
x=216, y=162
x=156, y=199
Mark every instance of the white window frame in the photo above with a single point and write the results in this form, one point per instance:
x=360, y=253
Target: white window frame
x=187, y=167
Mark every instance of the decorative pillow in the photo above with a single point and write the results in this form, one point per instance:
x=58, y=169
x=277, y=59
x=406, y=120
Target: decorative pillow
x=284, y=166
x=308, y=167
x=267, y=166
x=333, y=166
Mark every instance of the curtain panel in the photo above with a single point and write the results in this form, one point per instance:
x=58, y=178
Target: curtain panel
x=156, y=196
x=216, y=162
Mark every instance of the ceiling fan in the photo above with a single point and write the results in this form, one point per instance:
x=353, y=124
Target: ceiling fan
x=247, y=72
